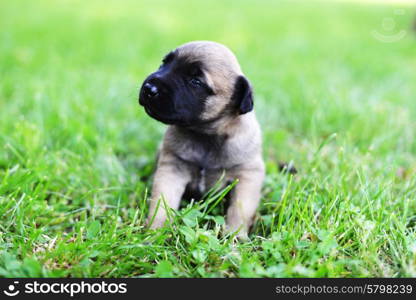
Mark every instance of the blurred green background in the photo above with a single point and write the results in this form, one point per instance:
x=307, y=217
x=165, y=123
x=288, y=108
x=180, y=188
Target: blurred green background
x=335, y=90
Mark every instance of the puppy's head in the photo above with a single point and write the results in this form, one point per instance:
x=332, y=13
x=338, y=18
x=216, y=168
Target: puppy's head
x=198, y=83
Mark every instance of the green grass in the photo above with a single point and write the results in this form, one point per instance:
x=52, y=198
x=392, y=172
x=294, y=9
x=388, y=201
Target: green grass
x=77, y=152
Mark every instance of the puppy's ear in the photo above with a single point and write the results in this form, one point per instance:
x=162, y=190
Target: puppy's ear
x=243, y=95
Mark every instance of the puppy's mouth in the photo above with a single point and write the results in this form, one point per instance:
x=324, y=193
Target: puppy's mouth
x=155, y=114
x=166, y=120
x=143, y=101
x=152, y=113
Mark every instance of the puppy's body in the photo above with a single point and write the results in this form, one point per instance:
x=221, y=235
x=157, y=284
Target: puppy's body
x=213, y=130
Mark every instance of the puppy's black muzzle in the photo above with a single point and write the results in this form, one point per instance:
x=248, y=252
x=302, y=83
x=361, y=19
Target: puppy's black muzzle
x=154, y=98
x=150, y=90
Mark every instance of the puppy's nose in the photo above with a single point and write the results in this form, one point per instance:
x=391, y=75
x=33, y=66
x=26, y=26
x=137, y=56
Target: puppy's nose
x=150, y=90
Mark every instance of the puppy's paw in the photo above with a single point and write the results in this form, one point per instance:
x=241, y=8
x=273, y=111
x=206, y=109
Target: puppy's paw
x=241, y=233
x=155, y=223
x=242, y=236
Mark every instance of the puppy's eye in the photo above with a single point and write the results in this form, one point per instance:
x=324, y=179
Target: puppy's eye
x=195, y=82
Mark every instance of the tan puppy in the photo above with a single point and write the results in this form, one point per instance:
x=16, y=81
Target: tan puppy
x=202, y=94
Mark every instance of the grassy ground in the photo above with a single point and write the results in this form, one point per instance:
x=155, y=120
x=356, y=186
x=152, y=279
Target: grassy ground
x=77, y=152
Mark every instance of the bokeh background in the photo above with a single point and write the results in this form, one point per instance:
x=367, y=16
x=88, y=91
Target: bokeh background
x=334, y=85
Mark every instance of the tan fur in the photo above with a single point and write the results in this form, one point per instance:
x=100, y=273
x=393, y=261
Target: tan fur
x=222, y=67
x=239, y=154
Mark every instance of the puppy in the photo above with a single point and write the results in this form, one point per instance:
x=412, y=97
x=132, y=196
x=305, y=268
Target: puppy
x=202, y=94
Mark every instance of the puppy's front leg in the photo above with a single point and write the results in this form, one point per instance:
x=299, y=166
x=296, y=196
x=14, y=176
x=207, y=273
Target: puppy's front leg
x=245, y=198
x=169, y=184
